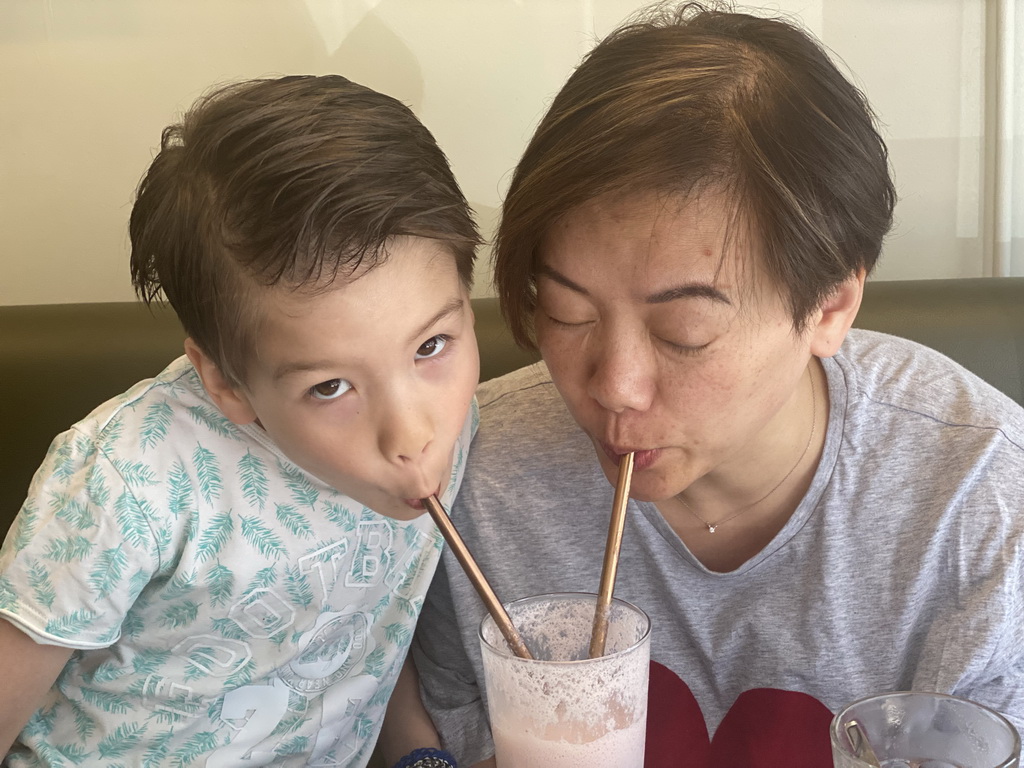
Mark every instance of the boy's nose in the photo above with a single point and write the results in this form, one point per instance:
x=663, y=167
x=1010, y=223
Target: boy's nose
x=405, y=433
x=622, y=376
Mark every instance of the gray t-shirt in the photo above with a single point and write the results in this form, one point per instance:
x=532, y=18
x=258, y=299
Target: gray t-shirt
x=902, y=568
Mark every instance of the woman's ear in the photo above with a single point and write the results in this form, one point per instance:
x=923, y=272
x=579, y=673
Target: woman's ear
x=832, y=320
x=231, y=400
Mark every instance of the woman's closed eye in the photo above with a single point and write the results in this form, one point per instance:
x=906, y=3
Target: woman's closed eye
x=433, y=346
x=330, y=389
x=566, y=321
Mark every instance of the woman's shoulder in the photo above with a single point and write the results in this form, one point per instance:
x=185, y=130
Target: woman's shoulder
x=531, y=383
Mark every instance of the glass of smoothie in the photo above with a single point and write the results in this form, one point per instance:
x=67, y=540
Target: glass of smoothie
x=922, y=730
x=561, y=708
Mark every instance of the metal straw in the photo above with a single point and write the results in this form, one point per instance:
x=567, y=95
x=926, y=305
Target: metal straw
x=859, y=741
x=494, y=606
x=611, y=557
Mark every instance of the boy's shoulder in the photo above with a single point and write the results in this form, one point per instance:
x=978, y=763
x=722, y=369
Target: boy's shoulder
x=150, y=408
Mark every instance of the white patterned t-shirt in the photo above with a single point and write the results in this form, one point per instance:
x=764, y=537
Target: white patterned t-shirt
x=229, y=609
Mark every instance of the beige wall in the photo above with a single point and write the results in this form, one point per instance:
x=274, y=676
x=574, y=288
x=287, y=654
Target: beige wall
x=85, y=88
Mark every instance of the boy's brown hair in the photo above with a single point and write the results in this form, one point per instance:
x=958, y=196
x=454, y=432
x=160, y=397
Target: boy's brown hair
x=290, y=182
x=689, y=99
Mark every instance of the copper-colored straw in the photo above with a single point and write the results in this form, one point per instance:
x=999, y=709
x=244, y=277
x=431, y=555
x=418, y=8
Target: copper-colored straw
x=494, y=606
x=611, y=557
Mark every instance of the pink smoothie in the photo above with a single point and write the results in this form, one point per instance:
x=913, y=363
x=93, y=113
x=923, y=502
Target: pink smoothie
x=623, y=748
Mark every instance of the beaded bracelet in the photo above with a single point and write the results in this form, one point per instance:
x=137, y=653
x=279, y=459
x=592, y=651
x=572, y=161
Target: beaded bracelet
x=428, y=757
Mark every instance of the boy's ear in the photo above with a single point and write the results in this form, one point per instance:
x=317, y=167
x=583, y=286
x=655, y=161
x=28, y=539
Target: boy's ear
x=231, y=400
x=836, y=314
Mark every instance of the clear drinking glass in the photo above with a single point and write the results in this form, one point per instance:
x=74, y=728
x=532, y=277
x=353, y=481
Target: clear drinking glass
x=924, y=730
x=562, y=708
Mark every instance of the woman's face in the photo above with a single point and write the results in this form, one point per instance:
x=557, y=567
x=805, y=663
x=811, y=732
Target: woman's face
x=668, y=339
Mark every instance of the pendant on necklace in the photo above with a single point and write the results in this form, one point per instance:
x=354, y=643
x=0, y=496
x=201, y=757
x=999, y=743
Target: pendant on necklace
x=711, y=528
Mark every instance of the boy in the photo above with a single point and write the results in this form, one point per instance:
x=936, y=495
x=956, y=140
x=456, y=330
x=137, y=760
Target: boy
x=223, y=566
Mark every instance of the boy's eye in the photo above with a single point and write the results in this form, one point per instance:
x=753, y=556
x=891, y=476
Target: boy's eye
x=432, y=347
x=329, y=390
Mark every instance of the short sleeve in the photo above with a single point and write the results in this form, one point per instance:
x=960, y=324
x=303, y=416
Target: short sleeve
x=82, y=547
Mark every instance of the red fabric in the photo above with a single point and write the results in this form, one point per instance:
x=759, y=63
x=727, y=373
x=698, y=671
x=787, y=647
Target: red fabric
x=764, y=728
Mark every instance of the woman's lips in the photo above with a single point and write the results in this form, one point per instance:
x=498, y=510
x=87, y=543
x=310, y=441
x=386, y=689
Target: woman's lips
x=642, y=459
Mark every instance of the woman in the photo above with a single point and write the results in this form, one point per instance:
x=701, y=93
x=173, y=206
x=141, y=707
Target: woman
x=816, y=513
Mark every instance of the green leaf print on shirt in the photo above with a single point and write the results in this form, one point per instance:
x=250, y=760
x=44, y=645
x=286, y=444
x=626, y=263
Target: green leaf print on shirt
x=71, y=624
x=181, y=585
x=341, y=516
x=122, y=740
x=197, y=745
x=399, y=634
x=264, y=578
x=24, y=526
x=180, y=615
x=295, y=746
x=108, y=570
x=68, y=549
x=295, y=522
x=303, y=491
x=262, y=538
x=155, y=423
x=253, y=475
x=207, y=472
x=179, y=490
x=85, y=447
x=220, y=580
x=135, y=473
x=374, y=663
x=74, y=512
x=298, y=586
x=157, y=751
x=85, y=726
x=132, y=517
x=8, y=596
x=107, y=701
x=42, y=589
x=214, y=420
x=216, y=534
x=96, y=486
x=64, y=464
x=111, y=433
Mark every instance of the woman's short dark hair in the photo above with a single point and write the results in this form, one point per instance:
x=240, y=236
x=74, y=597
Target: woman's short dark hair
x=688, y=99
x=294, y=181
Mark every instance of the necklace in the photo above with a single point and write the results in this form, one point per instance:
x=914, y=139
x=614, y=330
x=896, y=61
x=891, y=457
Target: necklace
x=712, y=527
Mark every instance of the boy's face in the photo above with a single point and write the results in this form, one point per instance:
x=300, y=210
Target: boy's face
x=368, y=384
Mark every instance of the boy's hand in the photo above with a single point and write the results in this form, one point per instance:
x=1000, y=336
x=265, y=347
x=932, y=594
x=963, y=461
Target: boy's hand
x=27, y=670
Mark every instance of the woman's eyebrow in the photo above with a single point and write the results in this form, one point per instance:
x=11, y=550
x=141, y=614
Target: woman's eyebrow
x=686, y=291
x=553, y=274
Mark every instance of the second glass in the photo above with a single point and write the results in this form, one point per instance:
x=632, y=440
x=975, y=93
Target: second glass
x=923, y=730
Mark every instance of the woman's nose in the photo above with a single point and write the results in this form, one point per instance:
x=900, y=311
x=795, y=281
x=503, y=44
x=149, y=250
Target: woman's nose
x=622, y=375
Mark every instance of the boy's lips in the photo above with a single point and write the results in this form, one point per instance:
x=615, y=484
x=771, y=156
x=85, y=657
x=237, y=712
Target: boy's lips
x=417, y=504
x=642, y=458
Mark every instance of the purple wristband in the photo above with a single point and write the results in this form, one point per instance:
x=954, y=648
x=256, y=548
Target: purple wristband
x=428, y=757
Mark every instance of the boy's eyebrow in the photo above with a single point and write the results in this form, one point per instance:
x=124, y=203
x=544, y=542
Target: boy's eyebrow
x=456, y=304
x=685, y=291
